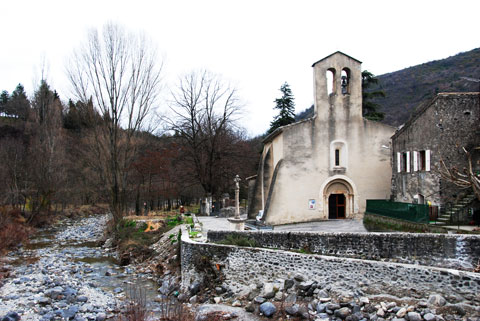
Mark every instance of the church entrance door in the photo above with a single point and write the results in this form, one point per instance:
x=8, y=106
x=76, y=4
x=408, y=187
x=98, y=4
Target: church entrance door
x=336, y=206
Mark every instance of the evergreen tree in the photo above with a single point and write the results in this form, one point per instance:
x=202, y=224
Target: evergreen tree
x=286, y=107
x=370, y=109
x=4, y=97
x=18, y=104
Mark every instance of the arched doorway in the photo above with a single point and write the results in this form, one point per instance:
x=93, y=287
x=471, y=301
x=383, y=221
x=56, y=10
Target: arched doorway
x=336, y=206
x=339, y=199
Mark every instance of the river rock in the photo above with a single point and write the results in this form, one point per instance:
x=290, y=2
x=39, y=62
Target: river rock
x=291, y=298
x=343, y=313
x=268, y=309
x=304, y=285
x=332, y=306
x=429, y=317
x=401, y=313
x=70, y=312
x=82, y=298
x=44, y=300
x=321, y=308
x=101, y=316
x=381, y=312
x=436, y=300
x=288, y=283
x=414, y=316
x=11, y=316
x=299, y=277
x=292, y=309
x=250, y=307
x=237, y=303
x=195, y=287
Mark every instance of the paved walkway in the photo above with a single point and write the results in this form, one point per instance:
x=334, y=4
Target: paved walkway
x=348, y=225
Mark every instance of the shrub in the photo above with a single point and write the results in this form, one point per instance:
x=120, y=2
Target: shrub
x=13, y=229
x=238, y=240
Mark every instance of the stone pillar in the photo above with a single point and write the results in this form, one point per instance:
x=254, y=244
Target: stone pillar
x=237, y=223
x=237, y=197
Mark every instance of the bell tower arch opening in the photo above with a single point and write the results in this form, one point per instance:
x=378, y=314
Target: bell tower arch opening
x=330, y=76
x=345, y=78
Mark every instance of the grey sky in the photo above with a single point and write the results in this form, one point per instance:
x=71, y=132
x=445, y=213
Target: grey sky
x=256, y=45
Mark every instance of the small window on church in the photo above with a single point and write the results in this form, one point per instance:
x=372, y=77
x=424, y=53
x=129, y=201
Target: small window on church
x=345, y=78
x=330, y=81
x=338, y=155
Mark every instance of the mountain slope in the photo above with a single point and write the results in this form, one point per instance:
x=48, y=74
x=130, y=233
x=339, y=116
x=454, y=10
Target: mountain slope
x=407, y=88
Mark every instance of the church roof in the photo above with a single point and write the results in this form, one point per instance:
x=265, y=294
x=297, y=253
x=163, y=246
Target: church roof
x=280, y=129
x=339, y=52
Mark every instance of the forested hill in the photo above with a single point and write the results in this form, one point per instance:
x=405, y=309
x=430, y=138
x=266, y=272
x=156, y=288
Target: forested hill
x=407, y=88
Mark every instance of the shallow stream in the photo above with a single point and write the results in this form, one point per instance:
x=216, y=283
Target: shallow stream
x=64, y=273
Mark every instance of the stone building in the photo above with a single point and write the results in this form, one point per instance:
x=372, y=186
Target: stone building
x=325, y=167
x=439, y=130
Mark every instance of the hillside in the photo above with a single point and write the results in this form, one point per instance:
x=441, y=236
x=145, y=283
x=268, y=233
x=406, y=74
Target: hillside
x=407, y=88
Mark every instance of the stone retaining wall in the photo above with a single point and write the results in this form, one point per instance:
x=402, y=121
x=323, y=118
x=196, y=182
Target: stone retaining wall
x=240, y=267
x=440, y=250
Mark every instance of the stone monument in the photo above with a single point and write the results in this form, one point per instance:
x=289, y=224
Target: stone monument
x=237, y=223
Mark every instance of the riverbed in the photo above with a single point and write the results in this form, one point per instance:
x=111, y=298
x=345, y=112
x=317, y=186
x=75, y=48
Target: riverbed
x=64, y=273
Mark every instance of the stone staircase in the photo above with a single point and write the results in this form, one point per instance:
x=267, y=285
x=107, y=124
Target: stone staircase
x=447, y=215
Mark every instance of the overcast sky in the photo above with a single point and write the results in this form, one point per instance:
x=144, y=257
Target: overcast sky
x=256, y=45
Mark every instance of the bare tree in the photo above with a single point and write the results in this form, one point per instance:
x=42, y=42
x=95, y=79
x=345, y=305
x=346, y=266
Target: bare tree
x=204, y=110
x=120, y=74
x=467, y=177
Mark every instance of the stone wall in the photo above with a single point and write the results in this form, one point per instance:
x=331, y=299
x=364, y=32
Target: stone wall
x=440, y=250
x=241, y=267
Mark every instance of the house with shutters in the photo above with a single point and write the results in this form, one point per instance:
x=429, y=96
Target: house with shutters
x=326, y=166
x=436, y=135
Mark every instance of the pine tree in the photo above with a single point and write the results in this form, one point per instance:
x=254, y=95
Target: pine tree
x=4, y=97
x=370, y=109
x=18, y=104
x=286, y=107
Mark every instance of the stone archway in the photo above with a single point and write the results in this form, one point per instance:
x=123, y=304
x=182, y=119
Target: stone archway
x=339, y=198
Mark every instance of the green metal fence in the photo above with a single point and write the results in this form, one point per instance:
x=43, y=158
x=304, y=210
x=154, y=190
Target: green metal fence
x=417, y=213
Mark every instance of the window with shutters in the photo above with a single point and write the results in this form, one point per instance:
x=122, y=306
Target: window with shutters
x=405, y=162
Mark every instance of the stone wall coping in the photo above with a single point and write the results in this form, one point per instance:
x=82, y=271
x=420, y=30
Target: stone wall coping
x=388, y=234
x=460, y=273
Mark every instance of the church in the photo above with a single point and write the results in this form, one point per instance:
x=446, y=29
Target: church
x=326, y=166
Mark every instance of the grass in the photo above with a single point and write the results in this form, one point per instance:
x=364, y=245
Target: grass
x=380, y=225
x=193, y=234
x=134, y=240
x=237, y=240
